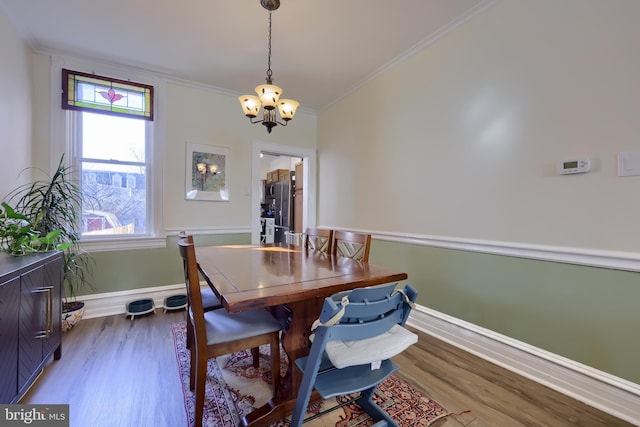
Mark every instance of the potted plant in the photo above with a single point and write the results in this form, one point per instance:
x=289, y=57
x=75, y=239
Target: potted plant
x=18, y=236
x=46, y=215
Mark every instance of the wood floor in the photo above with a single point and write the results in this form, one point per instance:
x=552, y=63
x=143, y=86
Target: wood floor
x=494, y=396
x=115, y=372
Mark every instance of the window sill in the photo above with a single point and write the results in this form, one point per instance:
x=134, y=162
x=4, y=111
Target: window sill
x=122, y=243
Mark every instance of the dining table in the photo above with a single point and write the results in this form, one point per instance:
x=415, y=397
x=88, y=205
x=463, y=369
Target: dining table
x=292, y=283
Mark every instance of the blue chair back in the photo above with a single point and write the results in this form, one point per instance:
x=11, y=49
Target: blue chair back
x=360, y=314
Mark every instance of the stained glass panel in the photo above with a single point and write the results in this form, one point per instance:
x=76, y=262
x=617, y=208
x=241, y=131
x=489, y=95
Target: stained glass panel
x=90, y=92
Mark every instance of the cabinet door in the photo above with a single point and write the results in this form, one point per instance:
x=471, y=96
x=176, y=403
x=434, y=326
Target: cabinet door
x=9, y=311
x=282, y=207
x=32, y=324
x=298, y=203
x=298, y=199
x=53, y=296
x=299, y=175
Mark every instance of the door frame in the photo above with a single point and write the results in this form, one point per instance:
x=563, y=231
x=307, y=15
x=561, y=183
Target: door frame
x=309, y=157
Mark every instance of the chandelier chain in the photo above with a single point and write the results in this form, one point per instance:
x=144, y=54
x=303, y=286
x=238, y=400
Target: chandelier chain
x=269, y=72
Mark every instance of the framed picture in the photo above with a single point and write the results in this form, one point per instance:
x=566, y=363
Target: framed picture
x=207, y=172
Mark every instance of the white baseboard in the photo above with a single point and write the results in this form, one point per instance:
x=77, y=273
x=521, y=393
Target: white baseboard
x=608, y=393
x=108, y=304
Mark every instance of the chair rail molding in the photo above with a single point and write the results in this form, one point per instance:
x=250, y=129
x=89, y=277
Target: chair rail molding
x=206, y=231
x=617, y=260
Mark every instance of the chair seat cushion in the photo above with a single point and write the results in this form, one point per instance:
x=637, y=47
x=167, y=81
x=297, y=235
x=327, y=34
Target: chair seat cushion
x=370, y=350
x=223, y=326
x=209, y=299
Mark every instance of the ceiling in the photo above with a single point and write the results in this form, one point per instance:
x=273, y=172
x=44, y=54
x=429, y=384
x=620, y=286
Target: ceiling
x=320, y=49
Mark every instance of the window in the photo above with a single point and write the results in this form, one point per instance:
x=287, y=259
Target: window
x=112, y=153
x=112, y=131
x=89, y=92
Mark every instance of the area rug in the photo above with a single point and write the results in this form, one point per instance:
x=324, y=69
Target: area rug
x=234, y=388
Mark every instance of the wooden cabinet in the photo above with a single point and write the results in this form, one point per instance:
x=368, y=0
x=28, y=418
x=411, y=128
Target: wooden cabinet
x=278, y=175
x=30, y=319
x=9, y=312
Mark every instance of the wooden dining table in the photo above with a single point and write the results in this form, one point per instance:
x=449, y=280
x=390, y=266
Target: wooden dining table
x=292, y=283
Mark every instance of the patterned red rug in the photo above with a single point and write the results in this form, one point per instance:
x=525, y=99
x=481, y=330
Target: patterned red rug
x=234, y=388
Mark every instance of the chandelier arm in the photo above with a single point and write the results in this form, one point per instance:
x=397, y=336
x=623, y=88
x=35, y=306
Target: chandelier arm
x=263, y=120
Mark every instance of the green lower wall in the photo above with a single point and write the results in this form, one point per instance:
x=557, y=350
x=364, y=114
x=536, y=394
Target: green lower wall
x=586, y=314
x=133, y=269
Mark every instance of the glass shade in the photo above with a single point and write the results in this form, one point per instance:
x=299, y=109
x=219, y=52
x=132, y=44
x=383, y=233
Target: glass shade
x=287, y=108
x=250, y=105
x=269, y=95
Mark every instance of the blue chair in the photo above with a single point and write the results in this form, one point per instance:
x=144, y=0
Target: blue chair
x=355, y=337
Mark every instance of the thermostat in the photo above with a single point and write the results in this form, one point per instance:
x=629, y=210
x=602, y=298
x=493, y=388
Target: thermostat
x=574, y=166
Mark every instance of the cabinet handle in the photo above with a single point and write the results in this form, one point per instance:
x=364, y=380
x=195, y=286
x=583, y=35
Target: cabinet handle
x=48, y=311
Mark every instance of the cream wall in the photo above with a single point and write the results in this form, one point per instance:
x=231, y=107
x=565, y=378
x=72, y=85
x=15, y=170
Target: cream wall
x=461, y=140
x=15, y=108
x=205, y=117
x=451, y=153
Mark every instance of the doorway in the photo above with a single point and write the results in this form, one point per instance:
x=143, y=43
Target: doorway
x=284, y=154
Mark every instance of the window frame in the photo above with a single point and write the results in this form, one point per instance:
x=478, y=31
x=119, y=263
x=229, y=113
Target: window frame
x=70, y=100
x=79, y=157
x=64, y=140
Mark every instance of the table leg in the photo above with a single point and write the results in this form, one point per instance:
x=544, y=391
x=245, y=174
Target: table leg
x=297, y=319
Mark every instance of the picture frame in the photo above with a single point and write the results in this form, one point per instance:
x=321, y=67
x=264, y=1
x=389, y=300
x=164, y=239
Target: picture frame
x=207, y=173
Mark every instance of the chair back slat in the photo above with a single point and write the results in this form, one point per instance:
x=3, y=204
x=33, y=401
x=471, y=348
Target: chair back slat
x=317, y=239
x=351, y=245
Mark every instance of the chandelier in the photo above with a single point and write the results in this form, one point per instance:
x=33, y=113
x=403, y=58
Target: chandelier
x=268, y=94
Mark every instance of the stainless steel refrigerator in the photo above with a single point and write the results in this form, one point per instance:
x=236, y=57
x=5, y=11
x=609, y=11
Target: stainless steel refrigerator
x=282, y=214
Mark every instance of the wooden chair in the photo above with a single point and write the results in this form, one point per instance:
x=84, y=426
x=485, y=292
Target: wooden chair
x=357, y=334
x=218, y=332
x=351, y=245
x=210, y=300
x=316, y=239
